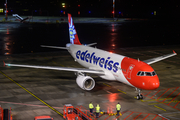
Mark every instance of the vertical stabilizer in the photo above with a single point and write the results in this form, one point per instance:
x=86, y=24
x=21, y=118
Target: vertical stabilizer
x=72, y=31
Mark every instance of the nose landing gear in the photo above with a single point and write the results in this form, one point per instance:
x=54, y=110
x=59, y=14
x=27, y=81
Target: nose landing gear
x=139, y=96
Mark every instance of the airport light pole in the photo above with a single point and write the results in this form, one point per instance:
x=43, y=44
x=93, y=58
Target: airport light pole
x=113, y=8
x=6, y=11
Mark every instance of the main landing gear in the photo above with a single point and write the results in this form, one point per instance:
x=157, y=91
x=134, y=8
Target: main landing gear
x=139, y=96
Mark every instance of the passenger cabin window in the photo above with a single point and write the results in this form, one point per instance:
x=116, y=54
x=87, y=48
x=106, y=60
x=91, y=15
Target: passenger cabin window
x=141, y=73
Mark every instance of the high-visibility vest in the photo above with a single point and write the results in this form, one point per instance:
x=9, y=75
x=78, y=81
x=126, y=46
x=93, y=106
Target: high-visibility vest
x=97, y=109
x=118, y=106
x=91, y=106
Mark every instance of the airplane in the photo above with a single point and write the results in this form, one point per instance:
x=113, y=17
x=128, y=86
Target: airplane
x=107, y=65
x=20, y=18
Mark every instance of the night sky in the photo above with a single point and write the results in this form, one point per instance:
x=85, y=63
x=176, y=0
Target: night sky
x=95, y=8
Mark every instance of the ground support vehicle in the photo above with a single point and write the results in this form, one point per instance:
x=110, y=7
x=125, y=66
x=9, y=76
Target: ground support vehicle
x=5, y=114
x=80, y=113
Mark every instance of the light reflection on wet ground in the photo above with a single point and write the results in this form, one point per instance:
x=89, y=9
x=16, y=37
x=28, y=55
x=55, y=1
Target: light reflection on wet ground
x=114, y=34
x=17, y=38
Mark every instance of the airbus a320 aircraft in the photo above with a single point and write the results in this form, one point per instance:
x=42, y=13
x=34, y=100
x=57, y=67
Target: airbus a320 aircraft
x=109, y=66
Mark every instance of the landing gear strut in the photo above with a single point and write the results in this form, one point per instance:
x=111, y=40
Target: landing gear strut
x=139, y=96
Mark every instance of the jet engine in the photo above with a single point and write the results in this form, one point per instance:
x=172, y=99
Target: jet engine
x=85, y=82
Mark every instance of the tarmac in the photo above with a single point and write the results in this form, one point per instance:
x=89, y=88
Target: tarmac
x=62, y=19
x=36, y=92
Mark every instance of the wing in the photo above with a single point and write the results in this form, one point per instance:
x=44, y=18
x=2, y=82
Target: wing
x=153, y=60
x=81, y=70
x=54, y=47
x=24, y=19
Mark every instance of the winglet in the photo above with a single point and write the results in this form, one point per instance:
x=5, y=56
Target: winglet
x=174, y=52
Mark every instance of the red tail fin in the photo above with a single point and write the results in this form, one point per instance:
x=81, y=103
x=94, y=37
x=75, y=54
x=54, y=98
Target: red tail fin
x=72, y=31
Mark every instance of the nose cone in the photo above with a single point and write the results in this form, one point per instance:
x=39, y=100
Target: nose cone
x=154, y=83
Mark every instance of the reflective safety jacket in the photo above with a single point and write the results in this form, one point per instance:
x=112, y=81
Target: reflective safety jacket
x=91, y=106
x=97, y=109
x=118, y=106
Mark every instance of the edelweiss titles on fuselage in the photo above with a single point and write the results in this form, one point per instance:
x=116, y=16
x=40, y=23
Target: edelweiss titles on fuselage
x=106, y=63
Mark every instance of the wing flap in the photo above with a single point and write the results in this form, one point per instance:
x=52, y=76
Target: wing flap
x=99, y=72
x=157, y=59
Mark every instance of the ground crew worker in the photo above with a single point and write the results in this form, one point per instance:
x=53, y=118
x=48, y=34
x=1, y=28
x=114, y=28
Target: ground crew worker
x=118, y=108
x=91, y=107
x=97, y=110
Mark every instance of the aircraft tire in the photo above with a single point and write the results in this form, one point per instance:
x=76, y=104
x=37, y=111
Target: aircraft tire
x=137, y=97
x=141, y=96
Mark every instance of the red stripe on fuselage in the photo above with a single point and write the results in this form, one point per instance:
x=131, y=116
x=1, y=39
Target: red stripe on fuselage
x=130, y=67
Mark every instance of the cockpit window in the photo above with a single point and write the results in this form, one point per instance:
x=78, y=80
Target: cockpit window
x=153, y=73
x=148, y=74
x=141, y=73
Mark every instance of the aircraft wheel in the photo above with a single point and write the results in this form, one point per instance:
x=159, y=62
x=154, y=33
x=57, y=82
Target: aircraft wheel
x=137, y=97
x=141, y=96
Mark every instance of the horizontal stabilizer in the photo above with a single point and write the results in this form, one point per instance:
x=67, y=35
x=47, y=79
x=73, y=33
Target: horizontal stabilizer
x=54, y=47
x=91, y=44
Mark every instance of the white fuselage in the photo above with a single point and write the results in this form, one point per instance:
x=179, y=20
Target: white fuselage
x=97, y=59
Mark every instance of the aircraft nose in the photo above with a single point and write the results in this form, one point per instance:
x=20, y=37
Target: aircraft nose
x=154, y=84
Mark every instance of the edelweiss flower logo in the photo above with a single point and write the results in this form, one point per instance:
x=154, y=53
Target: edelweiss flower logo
x=130, y=67
x=72, y=32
